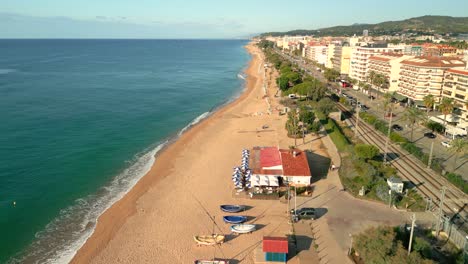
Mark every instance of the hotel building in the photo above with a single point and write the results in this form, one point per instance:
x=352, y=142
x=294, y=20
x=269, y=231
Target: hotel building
x=389, y=65
x=456, y=86
x=420, y=76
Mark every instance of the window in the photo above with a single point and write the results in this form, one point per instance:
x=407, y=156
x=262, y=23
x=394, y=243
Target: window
x=459, y=96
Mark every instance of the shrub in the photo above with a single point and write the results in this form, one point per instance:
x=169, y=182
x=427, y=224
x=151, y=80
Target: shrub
x=366, y=152
x=458, y=181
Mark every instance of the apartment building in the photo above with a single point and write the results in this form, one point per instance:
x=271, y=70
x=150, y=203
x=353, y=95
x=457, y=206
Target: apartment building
x=317, y=52
x=389, y=65
x=341, y=59
x=420, y=76
x=430, y=50
x=330, y=56
x=456, y=87
x=360, y=58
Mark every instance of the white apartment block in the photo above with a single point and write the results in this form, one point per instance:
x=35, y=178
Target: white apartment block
x=330, y=56
x=389, y=65
x=420, y=76
x=360, y=59
x=317, y=53
x=456, y=87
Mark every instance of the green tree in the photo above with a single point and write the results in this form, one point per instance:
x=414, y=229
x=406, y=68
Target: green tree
x=429, y=102
x=366, y=152
x=370, y=79
x=387, y=102
x=412, y=115
x=292, y=125
x=331, y=74
x=379, y=80
x=325, y=106
x=460, y=147
x=446, y=107
x=306, y=116
x=283, y=83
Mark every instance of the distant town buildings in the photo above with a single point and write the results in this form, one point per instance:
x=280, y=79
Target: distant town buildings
x=411, y=70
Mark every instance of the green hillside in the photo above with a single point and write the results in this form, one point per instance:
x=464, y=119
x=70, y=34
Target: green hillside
x=421, y=25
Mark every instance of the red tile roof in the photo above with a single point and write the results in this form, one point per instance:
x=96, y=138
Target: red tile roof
x=385, y=56
x=255, y=162
x=269, y=157
x=275, y=244
x=440, y=62
x=459, y=71
x=295, y=166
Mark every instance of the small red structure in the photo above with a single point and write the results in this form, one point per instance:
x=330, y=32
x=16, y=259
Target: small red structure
x=275, y=244
x=275, y=249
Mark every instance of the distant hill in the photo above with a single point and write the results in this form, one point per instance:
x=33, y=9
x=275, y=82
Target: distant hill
x=421, y=25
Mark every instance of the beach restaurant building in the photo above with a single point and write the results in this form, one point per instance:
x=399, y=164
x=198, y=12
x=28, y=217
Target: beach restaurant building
x=272, y=166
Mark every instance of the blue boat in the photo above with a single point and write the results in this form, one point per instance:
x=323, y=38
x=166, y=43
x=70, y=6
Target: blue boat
x=229, y=208
x=234, y=219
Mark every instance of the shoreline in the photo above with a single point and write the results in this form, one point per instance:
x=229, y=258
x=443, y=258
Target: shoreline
x=114, y=217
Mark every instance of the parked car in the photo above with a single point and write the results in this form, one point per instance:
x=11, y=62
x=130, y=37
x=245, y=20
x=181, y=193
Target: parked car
x=304, y=213
x=364, y=107
x=397, y=127
x=445, y=144
x=430, y=135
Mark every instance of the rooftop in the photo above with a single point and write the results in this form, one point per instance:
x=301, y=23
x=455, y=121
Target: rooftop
x=458, y=70
x=295, y=165
x=386, y=56
x=438, y=62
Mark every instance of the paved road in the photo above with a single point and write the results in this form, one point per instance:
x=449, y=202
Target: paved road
x=450, y=162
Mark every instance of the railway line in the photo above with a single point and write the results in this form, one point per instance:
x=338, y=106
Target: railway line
x=426, y=182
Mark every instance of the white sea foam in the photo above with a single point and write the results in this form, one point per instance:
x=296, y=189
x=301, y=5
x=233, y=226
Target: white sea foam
x=62, y=238
x=194, y=122
x=241, y=76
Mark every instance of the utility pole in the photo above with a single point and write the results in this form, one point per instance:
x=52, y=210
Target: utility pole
x=413, y=219
x=388, y=136
x=429, y=163
x=441, y=204
x=295, y=199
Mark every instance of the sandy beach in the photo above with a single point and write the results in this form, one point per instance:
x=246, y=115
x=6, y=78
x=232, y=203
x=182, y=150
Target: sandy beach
x=156, y=221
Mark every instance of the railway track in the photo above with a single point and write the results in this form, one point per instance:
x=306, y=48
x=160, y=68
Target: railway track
x=425, y=180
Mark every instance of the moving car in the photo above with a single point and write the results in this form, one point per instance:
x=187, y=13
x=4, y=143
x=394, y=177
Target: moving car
x=430, y=135
x=445, y=144
x=397, y=127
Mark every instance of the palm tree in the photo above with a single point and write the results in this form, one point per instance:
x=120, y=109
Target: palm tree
x=460, y=147
x=412, y=115
x=446, y=107
x=387, y=101
x=371, y=79
x=428, y=103
x=379, y=80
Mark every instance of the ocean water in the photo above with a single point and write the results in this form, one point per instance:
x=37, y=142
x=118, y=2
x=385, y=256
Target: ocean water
x=80, y=121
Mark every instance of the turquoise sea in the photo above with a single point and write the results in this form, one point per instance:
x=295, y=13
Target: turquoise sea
x=80, y=121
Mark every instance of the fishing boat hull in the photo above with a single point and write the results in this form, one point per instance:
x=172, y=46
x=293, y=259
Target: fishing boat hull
x=232, y=208
x=210, y=240
x=211, y=262
x=243, y=228
x=234, y=219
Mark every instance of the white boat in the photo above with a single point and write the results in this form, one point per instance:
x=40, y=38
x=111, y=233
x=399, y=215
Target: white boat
x=243, y=228
x=210, y=240
x=212, y=262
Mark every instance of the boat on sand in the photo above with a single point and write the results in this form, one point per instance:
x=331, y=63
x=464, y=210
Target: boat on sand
x=230, y=208
x=211, y=261
x=234, y=219
x=243, y=228
x=210, y=240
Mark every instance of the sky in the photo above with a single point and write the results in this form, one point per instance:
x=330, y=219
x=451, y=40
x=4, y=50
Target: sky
x=200, y=18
